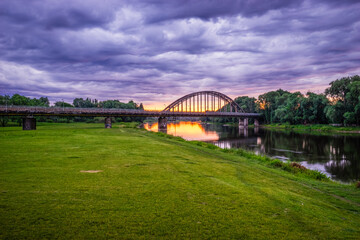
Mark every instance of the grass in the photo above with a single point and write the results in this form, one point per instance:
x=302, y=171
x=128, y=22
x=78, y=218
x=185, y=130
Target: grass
x=314, y=127
x=154, y=186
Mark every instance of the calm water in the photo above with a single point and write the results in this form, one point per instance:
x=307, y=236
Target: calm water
x=338, y=156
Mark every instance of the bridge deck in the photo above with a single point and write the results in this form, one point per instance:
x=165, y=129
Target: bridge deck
x=110, y=112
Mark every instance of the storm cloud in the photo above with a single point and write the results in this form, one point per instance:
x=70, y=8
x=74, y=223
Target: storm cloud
x=156, y=51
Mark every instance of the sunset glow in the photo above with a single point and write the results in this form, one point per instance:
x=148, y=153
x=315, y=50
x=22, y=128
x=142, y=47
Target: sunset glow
x=186, y=130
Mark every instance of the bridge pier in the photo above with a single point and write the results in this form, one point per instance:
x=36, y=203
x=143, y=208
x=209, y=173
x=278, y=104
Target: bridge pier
x=243, y=122
x=256, y=122
x=162, y=124
x=246, y=122
x=108, y=123
x=29, y=123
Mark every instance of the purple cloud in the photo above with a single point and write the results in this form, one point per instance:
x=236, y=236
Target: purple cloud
x=157, y=51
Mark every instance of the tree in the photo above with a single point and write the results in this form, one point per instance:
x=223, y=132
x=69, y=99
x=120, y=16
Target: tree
x=267, y=104
x=248, y=104
x=313, y=108
x=17, y=99
x=81, y=103
x=63, y=104
x=5, y=100
x=44, y=101
x=338, y=88
x=345, y=98
x=352, y=114
x=335, y=112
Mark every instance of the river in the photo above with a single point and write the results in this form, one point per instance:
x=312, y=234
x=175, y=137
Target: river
x=336, y=155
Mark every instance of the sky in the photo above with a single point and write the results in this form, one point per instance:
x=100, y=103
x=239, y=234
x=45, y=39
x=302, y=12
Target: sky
x=156, y=51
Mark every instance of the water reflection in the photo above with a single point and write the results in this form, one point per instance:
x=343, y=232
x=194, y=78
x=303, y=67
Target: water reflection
x=336, y=155
x=187, y=130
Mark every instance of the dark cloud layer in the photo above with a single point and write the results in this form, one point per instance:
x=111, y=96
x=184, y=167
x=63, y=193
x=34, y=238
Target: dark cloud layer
x=156, y=51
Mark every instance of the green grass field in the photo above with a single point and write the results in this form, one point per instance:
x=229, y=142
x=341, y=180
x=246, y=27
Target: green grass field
x=157, y=187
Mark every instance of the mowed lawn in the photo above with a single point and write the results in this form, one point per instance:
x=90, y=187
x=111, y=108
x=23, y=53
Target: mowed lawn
x=153, y=187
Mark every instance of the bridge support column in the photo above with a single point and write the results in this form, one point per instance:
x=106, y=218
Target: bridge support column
x=162, y=124
x=243, y=122
x=246, y=122
x=29, y=123
x=256, y=122
x=108, y=123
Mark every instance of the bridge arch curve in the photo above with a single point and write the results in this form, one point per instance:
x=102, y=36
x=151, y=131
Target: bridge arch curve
x=204, y=101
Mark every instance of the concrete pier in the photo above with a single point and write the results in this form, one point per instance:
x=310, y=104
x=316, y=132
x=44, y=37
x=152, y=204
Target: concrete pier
x=256, y=122
x=108, y=123
x=29, y=123
x=162, y=124
x=243, y=122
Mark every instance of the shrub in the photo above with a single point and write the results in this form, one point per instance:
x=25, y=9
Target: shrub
x=297, y=165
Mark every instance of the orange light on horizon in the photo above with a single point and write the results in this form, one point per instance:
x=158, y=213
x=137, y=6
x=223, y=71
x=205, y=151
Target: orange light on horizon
x=187, y=130
x=155, y=106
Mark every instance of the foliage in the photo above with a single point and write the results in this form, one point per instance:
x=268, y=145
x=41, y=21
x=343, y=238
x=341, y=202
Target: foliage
x=248, y=104
x=62, y=104
x=345, y=106
x=280, y=106
x=20, y=100
x=268, y=103
x=313, y=108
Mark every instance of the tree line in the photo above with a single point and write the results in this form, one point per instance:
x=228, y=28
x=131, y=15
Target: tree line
x=339, y=104
x=19, y=100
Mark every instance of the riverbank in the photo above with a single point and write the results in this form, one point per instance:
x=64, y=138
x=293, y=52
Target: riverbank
x=84, y=181
x=314, y=127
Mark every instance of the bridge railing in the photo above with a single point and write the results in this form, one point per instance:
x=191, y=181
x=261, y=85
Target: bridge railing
x=52, y=109
x=69, y=111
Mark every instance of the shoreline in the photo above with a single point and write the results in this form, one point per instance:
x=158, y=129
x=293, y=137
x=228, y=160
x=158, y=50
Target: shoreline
x=322, y=128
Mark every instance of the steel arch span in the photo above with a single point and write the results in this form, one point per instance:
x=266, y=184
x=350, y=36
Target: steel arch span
x=204, y=101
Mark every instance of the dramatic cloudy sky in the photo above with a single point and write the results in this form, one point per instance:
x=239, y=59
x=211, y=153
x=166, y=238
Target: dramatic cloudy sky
x=155, y=51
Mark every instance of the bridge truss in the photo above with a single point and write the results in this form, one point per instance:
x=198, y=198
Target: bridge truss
x=205, y=101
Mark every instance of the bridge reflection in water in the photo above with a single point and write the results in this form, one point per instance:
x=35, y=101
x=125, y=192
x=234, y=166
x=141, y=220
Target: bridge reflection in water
x=186, y=130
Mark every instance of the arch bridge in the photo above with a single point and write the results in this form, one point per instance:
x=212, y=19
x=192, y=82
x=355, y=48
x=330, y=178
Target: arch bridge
x=204, y=101
x=209, y=103
x=197, y=104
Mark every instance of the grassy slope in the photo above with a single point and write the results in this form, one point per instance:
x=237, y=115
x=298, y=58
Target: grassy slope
x=154, y=187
